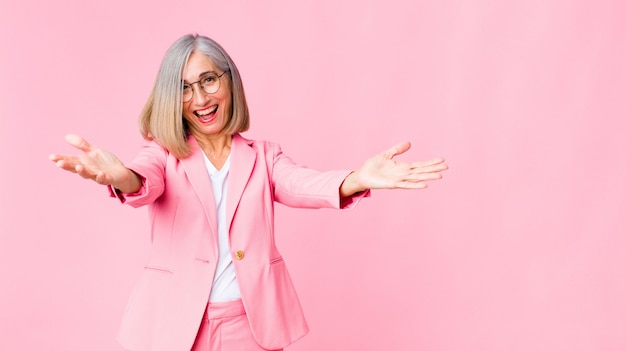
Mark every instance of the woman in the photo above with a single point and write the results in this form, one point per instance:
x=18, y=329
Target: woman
x=214, y=279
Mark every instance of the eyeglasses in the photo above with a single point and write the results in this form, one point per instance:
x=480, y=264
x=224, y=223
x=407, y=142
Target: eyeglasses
x=209, y=84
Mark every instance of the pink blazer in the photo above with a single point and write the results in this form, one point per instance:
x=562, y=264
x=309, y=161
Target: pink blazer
x=167, y=304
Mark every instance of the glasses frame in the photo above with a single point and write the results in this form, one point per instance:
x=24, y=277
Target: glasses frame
x=193, y=91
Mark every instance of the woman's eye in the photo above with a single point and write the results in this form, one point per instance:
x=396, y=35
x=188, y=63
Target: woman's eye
x=186, y=87
x=209, y=79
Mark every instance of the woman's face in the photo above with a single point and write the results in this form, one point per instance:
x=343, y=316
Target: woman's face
x=206, y=114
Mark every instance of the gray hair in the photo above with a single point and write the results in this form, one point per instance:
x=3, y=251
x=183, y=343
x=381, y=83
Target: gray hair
x=162, y=118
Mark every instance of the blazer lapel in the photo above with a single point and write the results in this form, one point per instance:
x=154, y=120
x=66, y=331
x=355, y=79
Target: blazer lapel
x=242, y=161
x=195, y=168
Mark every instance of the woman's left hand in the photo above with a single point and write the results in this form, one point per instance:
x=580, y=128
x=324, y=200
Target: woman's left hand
x=383, y=172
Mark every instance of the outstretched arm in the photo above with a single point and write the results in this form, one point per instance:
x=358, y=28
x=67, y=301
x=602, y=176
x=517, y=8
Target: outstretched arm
x=383, y=172
x=98, y=165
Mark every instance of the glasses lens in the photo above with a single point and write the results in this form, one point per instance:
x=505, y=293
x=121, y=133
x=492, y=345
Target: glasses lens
x=187, y=93
x=210, y=84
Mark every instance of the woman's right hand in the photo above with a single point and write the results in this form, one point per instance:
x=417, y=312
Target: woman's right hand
x=98, y=165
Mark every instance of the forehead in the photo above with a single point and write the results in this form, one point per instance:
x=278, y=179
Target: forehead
x=197, y=65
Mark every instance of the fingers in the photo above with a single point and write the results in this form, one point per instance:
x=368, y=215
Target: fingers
x=87, y=166
x=84, y=172
x=102, y=178
x=78, y=142
x=434, y=165
x=412, y=185
x=428, y=167
x=55, y=158
x=72, y=164
x=421, y=172
x=397, y=149
x=67, y=163
x=421, y=177
x=434, y=162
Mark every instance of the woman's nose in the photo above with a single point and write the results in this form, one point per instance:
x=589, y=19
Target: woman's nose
x=200, y=97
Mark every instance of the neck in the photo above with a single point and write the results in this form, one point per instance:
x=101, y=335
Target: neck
x=214, y=144
x=215, y=147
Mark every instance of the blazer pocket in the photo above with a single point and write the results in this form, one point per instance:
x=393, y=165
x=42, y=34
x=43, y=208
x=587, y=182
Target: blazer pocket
x=158, y=269
x=276, y=260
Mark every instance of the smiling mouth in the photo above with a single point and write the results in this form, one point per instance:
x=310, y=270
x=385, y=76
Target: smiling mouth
x=206, y=115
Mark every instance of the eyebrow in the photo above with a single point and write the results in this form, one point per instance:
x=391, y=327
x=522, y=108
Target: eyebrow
x=202, y=75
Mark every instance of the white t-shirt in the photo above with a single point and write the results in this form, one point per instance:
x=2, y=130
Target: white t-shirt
x=225, y=287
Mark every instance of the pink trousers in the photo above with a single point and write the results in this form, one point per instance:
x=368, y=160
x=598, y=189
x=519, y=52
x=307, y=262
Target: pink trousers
x=225, y=327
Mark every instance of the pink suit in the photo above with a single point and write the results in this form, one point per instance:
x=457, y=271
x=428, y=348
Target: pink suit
x=167, y=305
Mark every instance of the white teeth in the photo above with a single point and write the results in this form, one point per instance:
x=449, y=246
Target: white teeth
x=206, y=112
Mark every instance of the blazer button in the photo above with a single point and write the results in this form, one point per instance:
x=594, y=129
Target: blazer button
x=240, y=255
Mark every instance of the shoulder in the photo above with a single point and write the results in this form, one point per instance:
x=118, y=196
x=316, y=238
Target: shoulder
x=153, y=148
x=259, y=146
x=151, y=154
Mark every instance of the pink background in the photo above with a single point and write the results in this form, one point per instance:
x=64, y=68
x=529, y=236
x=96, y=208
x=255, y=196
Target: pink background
x=522, y=246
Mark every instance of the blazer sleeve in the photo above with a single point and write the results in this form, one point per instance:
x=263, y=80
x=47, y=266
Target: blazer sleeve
x=299, y=186
x=149, y=164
